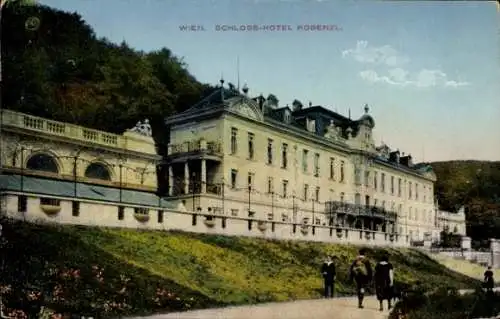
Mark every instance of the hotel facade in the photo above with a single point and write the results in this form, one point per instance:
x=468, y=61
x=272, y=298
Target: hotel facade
x=235, y=166
x=234, y=155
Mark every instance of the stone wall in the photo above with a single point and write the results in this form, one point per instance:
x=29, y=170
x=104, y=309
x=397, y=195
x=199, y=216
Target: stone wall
x=107, y=214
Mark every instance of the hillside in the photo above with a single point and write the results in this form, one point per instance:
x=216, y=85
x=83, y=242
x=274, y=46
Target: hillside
x=475, y=184
x=113, y=271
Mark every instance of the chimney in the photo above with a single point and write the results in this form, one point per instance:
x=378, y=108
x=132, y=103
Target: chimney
x=261, y=100
x=394, y=157
x=406, y=161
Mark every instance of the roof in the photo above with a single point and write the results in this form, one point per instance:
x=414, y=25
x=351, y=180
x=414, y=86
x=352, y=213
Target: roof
x=43, y=186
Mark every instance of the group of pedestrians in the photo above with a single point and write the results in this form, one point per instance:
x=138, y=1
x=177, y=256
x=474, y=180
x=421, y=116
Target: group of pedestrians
x=362, y=274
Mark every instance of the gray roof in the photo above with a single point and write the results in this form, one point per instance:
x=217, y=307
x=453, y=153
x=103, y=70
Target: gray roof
x=44, y=186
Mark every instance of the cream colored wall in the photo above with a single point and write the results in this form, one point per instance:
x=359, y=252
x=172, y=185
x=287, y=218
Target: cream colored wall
x=210, y=130
x=136, y=171
x=103, y=214
x=293, y=174
x=129, y=141
x=416, y=215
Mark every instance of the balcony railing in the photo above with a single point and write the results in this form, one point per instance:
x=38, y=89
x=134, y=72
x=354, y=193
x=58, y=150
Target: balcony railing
x=335, y=207
x=196, y=146
x=38, y=124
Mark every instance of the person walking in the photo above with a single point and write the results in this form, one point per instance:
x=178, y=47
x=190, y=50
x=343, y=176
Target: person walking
x=361, y=273
x=384, y=281
x=489, y=281
x=329, y=273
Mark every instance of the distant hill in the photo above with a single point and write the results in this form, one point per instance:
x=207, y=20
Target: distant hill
x=475, y=184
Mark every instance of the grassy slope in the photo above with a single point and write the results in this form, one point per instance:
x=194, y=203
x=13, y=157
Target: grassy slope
x=212, y=270
x=465, y=267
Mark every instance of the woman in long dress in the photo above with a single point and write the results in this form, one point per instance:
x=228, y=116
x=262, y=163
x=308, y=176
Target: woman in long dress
x=384, y=280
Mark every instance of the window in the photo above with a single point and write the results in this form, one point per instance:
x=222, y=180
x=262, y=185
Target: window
x=304, y=161
x=392, y=185
x=375, y=180
x=42, y=162
x=270, y=185
x=399, y=187
x=251, y=177
x=98, y=171
x=367, y=200
x=50, y=201
x=367, y=178
x=409, y=190
x=316, y=164
x=382, y=182
x=332, y=168
x=375, y=202
x=141, y=211
x=160, y=216
x=269, y=151
x=234, y=176
x=250, y=145
x=121, y=212
x=357, y=176
x=234, y=140
x=316, y=194
x=342, y=173
x=357, y=199
x=75, y=208
x=234, y=212
x=425, y=195
x=342, y=195
x=410, y=213
x=416, y=191
x=383, y=204
x=22, y=203
x=284, y=159
x=306, y=190
x=285, y=188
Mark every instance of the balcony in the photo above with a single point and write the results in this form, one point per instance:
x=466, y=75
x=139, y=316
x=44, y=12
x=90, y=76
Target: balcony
x=195, y=149
x=34, y=124
x=335, y=207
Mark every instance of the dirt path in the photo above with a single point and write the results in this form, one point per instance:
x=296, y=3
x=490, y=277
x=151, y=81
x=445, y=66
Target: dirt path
x=338, y=308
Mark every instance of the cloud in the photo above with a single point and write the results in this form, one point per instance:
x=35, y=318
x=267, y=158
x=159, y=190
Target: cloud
x=377, y=55
x=390, y=58
x=423, y=79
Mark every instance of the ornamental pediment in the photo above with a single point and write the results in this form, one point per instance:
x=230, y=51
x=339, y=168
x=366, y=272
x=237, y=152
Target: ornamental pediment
x=246, y=108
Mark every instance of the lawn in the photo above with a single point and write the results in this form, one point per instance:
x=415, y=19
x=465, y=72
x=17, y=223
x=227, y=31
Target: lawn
x=91, y=270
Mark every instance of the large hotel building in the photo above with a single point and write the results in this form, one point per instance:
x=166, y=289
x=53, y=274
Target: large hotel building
x=234, y=155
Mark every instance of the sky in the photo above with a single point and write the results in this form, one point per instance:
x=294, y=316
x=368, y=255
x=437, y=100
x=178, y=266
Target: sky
x=429, y=70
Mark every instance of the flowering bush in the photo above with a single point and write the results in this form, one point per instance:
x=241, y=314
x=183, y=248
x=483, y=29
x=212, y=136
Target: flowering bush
x=67, y=277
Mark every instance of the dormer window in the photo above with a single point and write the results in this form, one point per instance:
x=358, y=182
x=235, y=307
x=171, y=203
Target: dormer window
x=286, y=116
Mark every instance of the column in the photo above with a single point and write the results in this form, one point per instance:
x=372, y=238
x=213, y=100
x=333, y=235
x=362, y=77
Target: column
x=170, y=180
x=186, y=178
x=203, y=176
x=495, y=253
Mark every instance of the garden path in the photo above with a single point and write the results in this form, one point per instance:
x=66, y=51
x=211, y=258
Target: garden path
x=338, y=308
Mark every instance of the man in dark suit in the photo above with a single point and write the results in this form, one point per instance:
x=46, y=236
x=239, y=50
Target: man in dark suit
x=361, y=273
x=329, y=273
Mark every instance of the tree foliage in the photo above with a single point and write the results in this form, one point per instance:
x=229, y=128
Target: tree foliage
x=64, y=72
x=475, y=185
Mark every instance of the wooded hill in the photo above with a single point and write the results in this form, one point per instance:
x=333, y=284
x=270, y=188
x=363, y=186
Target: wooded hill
x=61, y=70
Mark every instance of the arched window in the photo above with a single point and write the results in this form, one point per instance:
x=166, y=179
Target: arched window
x=42, y=162
x=98, y=171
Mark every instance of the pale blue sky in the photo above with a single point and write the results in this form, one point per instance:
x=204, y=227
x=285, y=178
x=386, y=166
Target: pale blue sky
x=429, y=70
